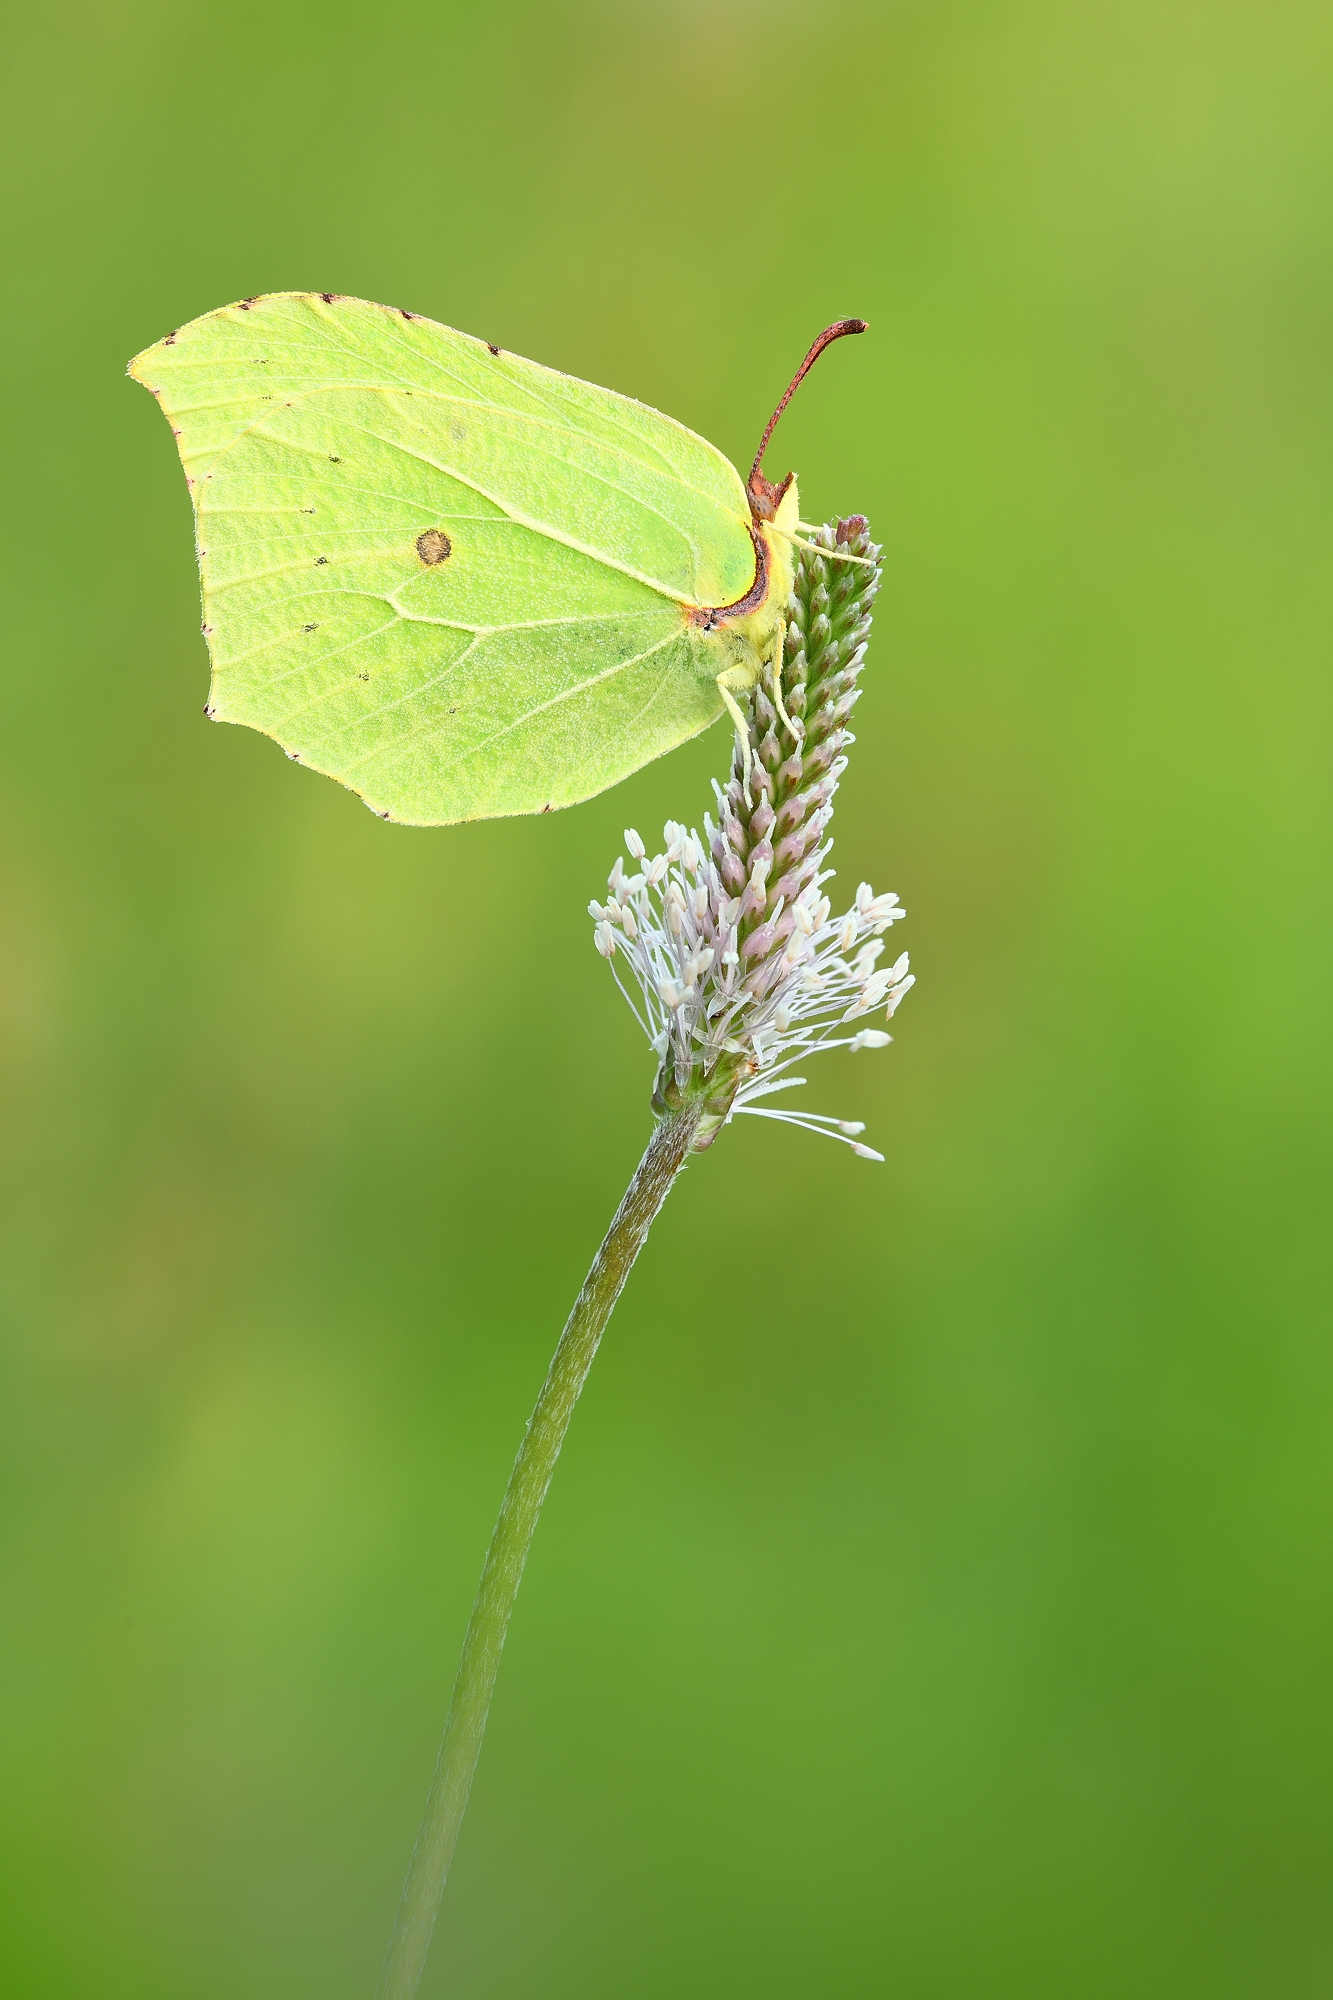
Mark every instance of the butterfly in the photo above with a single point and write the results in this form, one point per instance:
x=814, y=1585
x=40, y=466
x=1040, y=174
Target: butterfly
x=458, y=582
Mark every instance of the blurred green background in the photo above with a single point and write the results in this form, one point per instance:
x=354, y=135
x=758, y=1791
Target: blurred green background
x=934, y=1597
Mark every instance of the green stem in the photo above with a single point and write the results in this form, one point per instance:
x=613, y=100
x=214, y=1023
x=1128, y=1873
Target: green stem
x=484, y=1641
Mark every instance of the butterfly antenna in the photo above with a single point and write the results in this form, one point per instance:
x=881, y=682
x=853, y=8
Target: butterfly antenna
x=826, y=339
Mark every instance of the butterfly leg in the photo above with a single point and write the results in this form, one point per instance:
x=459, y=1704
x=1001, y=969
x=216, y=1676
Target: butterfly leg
x=739, y=676
x=831, y=555
x=779, y=654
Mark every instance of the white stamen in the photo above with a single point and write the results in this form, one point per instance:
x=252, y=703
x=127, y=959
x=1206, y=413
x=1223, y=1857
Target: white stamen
x=896, y=996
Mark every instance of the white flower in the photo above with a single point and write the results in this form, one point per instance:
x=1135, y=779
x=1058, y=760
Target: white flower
x=689, y=992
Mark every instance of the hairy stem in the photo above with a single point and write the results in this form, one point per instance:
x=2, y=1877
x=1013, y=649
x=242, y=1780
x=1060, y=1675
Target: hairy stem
x=512, y=1536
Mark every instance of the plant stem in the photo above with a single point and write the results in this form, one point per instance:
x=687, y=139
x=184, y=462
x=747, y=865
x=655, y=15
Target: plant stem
x=512, y=1536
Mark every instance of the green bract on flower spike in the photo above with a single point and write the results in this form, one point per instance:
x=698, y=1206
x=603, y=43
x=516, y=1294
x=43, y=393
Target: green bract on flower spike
x=737, y=966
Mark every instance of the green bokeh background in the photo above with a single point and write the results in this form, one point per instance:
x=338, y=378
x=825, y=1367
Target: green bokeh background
x=934, y=1597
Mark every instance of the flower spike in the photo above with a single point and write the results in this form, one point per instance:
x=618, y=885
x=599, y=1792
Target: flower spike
x=737, y=967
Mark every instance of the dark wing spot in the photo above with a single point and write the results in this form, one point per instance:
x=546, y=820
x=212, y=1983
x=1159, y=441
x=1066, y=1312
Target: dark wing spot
x=406, y=314
x=330, y=297
x=170, y=340
x=310, y=628
x=319, y=560
x=208, y=710
x=247, y=303
x=363, y=677
x=333, y=459
x=434, y=547
x=491, y=347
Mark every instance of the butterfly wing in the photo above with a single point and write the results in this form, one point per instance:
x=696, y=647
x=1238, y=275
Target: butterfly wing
x=452, y=579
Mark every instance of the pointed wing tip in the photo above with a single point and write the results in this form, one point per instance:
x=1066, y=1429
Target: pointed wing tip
x=133, y=367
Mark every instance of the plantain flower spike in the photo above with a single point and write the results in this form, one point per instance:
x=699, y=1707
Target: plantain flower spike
x=736, y=967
